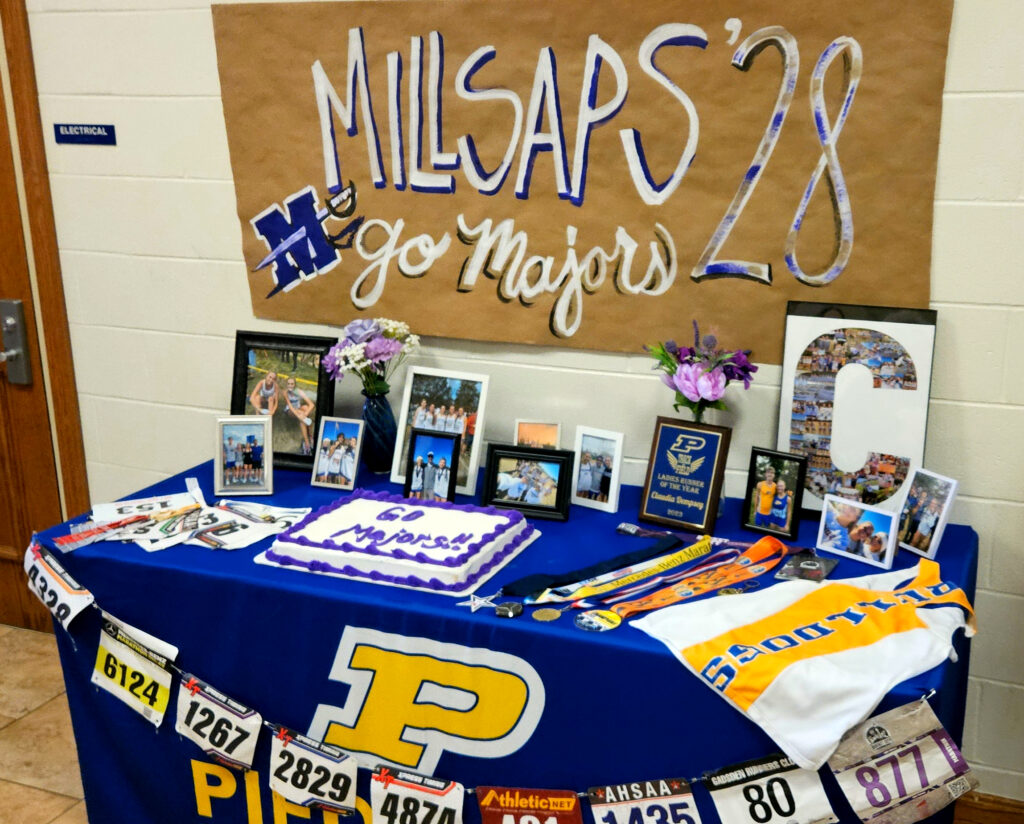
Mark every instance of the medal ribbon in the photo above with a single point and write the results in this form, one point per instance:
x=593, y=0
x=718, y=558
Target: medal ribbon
x=621, y=577
x=762, y=557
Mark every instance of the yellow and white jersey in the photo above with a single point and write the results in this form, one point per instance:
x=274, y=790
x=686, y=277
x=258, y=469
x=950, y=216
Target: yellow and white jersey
x=807, y=661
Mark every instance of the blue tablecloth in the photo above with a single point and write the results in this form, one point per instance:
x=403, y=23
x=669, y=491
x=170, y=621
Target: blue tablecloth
x=616, y=706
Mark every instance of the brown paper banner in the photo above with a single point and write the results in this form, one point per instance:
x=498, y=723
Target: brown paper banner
x=584, y=174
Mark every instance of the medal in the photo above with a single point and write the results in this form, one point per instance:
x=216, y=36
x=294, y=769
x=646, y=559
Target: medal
x=598, y=620
x=730, y=591
x=547, y=614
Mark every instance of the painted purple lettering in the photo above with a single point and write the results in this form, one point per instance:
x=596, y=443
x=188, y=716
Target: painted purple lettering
x=420, y=180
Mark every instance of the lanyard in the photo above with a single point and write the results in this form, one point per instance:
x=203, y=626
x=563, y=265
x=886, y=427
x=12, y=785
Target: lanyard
x=760, y=558
x=621, y=577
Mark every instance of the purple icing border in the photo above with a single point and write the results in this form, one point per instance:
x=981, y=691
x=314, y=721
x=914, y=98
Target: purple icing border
x=409, y=580
x=290, y=536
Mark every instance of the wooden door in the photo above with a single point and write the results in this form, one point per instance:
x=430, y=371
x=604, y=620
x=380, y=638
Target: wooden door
x=32, y=478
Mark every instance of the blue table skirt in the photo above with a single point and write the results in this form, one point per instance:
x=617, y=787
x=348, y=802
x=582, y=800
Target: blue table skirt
x=617, y=707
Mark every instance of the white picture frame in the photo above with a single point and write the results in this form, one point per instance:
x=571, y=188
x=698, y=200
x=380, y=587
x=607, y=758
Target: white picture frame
x=937, y=488
x=441, y=388
x=547, y=431
x=235, y=473
x=841, y=531
x=603, y=494
x=331, y=457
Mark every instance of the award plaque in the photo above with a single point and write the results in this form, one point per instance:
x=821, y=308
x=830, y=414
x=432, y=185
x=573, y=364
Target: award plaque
x=684, y=474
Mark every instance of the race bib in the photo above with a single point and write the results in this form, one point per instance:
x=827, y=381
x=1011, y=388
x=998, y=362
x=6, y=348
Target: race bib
x=771, y=789
x=900, y=766
x=665, y=801
x=403, y=797
x=513, y=805
x=311, y=774
x=224, y=729
x=132, y=673
x=51, y=584
x=141, y=506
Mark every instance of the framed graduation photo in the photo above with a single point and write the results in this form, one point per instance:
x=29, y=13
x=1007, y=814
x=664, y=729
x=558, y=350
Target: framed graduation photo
x=535, y=481
x=684, y=474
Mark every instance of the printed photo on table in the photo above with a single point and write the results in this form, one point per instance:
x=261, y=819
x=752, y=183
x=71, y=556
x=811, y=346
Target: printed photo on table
x=854, y=530
x=282, y=377
x=537, y=434
x=340, y=441
x=925, y=511
x=433, y=465
x=598, y=464
x=775, y=486
x=452, y=403
x=244, y=456
x=536, y=481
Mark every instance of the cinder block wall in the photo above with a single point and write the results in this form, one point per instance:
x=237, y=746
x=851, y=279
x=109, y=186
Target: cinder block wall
x=151, y=254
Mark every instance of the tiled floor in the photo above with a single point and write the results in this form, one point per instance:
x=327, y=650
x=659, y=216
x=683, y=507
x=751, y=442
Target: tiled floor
x=39, y=780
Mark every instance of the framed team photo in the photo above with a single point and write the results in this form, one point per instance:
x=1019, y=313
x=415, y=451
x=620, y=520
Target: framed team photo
x=448, y=402
x=538, y=434
x=282, y=377
x=339, y=444
x=244, y=456
x=535, y=481
x=924, y=512
x=433, y=465
x=863, y=427
x=595, y=483
x=775, y=491
x=854, y=530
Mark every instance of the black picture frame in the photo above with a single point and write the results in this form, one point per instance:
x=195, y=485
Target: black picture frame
x=786, y=466
x=306, y=355
x=682, y=488
x=495, y=492
x=425, y=444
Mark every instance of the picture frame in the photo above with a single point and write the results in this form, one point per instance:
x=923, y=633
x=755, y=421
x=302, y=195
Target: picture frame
x=856, y=530
x=339, y=443
x=927, y=503
x=243, y=461
x=512, y=471
x=860, y=435
x=597, y=489
x=542, y=434
x=281, y=359
x=427, y=395
x=684, y=474
x=782, y=517
x=432, y=466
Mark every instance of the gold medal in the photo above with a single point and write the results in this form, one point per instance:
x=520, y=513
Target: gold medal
x=730, y=591
x=546, y=614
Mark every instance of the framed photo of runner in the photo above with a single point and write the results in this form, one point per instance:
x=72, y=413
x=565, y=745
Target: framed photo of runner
x=339, y=443
x=538, y=434
x=433, y=465
x=439, y=400
x=283, y=378
x=854, y=530
x=775, y=490
x=854, y=400
x=684, y=474
x=595, y=483
x=535, y=481
x=244, y=456
x=924, y=512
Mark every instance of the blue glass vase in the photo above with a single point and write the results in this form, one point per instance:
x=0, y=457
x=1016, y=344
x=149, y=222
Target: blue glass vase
x=379, y=433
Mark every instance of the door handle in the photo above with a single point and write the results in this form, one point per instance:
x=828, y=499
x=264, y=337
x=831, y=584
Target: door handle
x=13, y=352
